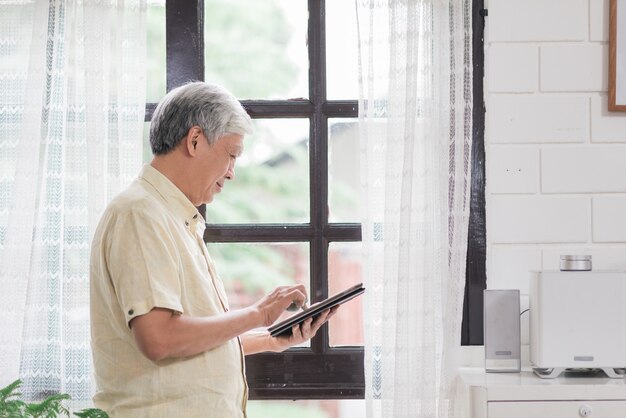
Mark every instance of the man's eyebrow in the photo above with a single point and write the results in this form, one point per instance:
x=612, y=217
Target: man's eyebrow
x=238, y=150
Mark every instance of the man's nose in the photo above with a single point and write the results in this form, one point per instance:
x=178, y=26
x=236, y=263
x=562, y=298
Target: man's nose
x=230, y=174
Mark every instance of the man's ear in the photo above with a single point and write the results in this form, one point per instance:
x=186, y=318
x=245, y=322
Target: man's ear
x=191, y=140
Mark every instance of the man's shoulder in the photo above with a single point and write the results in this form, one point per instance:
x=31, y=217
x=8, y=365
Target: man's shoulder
x=136, y=192
x=136, y=199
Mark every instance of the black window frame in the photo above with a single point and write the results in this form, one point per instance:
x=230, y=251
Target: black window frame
x=320, y=371
x=475, y=273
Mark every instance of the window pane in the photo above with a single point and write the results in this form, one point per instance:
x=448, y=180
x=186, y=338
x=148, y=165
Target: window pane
x=348, y=408
x=344, y=270
x=341, y=50
x=155, y=50
x=257, y=49
x=271, y=177
x=250, y=270
x=343, y=170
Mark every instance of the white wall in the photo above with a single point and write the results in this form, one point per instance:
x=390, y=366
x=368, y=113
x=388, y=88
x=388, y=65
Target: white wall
x=556, y=158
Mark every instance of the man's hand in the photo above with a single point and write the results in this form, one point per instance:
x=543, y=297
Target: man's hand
x=255, y=342
x=304, y=331
x=272, y=305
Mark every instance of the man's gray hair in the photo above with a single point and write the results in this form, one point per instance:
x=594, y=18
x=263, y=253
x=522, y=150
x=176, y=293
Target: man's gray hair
x=206, y=105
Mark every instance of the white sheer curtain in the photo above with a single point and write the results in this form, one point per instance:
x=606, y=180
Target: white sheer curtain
x=72, y=104
x=415, y=130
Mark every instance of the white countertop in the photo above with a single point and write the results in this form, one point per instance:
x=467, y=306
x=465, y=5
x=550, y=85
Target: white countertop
x=526, y=385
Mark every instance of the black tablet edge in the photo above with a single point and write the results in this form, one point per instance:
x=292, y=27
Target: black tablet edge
x=323, y=304
x=335, y=300
x=290, y=322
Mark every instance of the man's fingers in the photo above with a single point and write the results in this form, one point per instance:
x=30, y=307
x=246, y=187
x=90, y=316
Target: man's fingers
x=272, y=305
x=319, y=321
x=295, y=295
x=323, y=317
x=296, y=332
x=306, y=327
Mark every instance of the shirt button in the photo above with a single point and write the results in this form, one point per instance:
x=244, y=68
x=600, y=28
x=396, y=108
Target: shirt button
x=130, y=312
x=186, y=223
x=195, y=216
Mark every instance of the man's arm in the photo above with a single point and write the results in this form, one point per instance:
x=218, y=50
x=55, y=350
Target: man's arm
x=258, y=342
x=162, y=334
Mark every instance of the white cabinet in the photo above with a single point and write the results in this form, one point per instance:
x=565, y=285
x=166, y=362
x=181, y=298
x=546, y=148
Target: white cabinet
x=524, y=395
x=557, y=409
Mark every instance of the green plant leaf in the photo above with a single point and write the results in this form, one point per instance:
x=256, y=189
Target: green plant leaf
x=50, y=407
x=10, y=391
x=91, y=413
x=11, y=408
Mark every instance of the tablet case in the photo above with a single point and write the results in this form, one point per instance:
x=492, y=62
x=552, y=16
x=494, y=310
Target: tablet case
x=284, y=327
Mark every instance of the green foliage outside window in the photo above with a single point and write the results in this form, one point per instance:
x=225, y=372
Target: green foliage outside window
x=245, y=43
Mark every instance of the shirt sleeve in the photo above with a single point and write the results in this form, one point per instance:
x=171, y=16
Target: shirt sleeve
x=143, y=263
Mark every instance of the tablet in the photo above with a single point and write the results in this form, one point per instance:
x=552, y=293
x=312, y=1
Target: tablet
x=284, y=327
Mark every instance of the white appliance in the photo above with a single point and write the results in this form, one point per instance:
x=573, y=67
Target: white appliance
x=577, y=321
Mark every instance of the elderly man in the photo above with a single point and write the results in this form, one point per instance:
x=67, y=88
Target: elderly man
x=165, y=343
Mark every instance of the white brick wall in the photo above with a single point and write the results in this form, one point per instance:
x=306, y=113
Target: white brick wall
x=556, y=157
x=513, y=67
x=537, y=20
x=573, y=67
x=606, y=126
x=511, y=264
x=523, y=118
x=538, y=219
x=583, y=169
x=599, y=20
x=513, y=169
x=609, y=222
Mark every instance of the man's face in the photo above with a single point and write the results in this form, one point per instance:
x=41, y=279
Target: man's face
x=218, y=164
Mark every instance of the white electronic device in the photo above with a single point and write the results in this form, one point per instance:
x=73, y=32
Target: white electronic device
x=577, y=321
x=501, y=330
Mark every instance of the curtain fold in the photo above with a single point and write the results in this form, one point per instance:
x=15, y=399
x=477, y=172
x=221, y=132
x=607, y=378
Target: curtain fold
x=71, y=121
x=415, y=110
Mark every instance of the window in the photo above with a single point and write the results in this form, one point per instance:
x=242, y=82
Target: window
x=291, y=210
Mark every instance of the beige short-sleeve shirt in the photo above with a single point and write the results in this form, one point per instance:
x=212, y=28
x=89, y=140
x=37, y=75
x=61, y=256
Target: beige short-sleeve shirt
x=148, y=252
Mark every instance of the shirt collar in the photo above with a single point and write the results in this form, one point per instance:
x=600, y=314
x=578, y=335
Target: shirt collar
x=173, y=196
